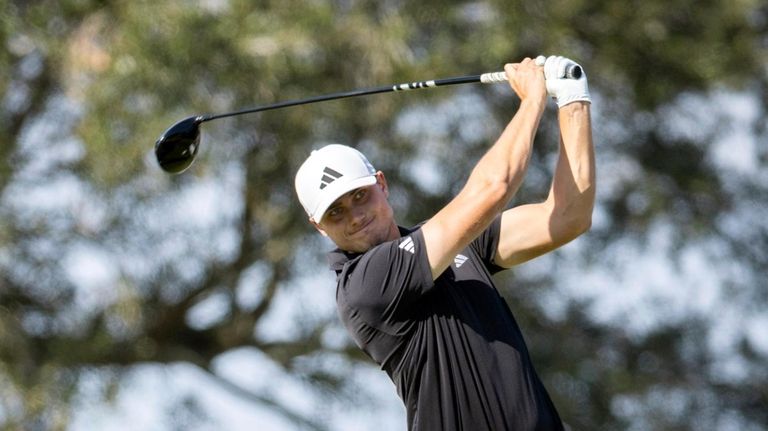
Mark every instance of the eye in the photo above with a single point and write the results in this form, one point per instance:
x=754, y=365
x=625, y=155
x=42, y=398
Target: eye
x=334, y=212
x=360, y=194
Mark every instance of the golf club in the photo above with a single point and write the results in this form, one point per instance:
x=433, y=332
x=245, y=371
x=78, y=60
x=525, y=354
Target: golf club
x=177, y=147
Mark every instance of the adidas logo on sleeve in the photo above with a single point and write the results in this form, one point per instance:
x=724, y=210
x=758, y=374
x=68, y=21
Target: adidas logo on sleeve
x=407, y=245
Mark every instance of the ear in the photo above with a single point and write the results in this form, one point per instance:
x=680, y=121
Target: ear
x=381, y=181
x=317, y=226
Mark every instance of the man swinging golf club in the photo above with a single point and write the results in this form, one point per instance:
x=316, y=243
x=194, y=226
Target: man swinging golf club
x=421, y=301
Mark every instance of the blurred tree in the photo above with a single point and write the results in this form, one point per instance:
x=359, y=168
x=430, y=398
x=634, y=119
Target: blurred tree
x=106, y=262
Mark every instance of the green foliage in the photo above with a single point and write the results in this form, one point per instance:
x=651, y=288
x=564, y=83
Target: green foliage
x=89, y=85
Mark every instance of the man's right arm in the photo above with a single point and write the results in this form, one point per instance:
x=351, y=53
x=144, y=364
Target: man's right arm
x=495, y=178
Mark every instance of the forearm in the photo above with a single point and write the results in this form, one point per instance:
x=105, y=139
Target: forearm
x=573, y=188
x=503, y=167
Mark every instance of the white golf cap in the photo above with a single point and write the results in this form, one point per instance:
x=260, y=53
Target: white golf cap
x=329, y=173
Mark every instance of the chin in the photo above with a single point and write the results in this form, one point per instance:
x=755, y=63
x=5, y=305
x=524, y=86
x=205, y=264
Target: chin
x=363, y=245
x=372, y=237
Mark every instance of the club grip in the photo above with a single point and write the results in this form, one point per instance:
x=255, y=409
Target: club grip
x=571, y=72
x=493, y=77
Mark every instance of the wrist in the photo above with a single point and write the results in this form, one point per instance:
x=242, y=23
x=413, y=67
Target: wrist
x=534, y=103
x=575, y=107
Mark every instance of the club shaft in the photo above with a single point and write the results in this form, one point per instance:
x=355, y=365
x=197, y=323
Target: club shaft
x=360, y=92
x=486, y=78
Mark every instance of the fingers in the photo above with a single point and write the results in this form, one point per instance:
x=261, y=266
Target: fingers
x=526, y=78
x=510, y=69
x=555, y=67
x=526, y=63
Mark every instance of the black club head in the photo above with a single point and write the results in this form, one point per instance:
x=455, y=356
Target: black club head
x=177, y=147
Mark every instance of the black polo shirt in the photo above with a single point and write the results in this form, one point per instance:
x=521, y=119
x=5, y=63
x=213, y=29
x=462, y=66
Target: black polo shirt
x=451, y=347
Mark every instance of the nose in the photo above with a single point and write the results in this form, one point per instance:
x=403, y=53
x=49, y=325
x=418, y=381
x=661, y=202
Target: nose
x=357, y=216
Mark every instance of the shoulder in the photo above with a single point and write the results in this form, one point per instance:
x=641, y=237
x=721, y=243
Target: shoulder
x=384, y=271
x=368, y=267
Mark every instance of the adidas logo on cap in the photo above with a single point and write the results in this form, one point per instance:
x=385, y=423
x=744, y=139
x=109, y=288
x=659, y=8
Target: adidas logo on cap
x=329, y=176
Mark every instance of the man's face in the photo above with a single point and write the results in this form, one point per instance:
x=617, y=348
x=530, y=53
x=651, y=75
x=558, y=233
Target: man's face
x=361, y=218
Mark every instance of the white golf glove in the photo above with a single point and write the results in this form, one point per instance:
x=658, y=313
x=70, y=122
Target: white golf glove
x=563, y=90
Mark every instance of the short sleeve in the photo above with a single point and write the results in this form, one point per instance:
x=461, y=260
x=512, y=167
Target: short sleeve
x=486, y=245
x=389, y=279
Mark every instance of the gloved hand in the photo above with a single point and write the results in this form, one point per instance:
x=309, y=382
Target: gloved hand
x=562, y=89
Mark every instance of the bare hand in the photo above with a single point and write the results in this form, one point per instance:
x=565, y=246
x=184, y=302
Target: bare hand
x=527, y=80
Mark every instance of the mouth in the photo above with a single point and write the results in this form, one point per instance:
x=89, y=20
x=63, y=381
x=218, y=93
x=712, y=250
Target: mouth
x=362, y=228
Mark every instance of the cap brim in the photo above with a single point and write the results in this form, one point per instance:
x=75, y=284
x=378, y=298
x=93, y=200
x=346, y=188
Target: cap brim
x=336, y=191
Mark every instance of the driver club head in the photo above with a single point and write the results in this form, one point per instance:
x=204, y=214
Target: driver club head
x=177, y=147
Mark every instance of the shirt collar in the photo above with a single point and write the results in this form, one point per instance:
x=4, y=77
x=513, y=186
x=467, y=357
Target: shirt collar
x=338, y=258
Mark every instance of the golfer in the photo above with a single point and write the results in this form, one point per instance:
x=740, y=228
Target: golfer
x=421, y=301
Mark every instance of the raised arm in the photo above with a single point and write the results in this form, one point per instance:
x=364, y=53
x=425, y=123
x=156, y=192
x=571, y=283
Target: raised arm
x=495, y=178
x=531, y=230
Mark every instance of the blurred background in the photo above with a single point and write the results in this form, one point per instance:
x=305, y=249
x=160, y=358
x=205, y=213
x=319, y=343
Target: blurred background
x=135, y=300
